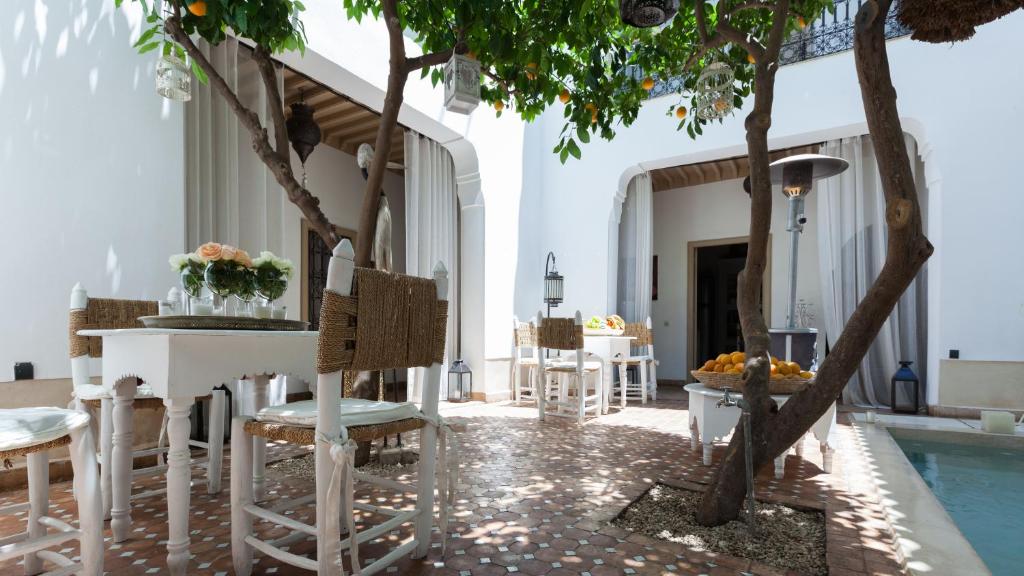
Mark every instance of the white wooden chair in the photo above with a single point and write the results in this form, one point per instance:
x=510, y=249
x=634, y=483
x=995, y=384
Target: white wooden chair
x=566, y=334
x=33, y=432
x=642, y=359
x=524, y=356
x=370, y=320
x=105, y=313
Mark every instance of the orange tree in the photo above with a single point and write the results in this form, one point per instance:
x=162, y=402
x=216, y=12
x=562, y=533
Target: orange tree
x=534, y=53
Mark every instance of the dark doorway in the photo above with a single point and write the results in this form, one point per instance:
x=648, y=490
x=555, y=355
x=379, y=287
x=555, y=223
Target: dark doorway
x=717, y=319
x=316, y=259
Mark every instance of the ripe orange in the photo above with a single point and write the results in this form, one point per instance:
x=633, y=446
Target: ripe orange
x=531, y=71
x=681, y=112
x=499, y=105
x=648, y=83
x=800, y=22
x=593, y=117
x=750, y=58
x=197, y=8
x=590, y=106
x=564, y=97
x=721, y=105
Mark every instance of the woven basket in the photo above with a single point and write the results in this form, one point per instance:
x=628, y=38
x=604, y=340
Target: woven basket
x=720, y=380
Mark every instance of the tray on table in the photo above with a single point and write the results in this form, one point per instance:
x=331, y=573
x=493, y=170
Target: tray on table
x=180, y=322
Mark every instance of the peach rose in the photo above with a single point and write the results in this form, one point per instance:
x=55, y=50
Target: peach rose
x=228, y=252
x=242, y=257
x=211, y=251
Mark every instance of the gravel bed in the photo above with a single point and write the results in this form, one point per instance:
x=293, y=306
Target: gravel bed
x=304, y=467
x=787, y=538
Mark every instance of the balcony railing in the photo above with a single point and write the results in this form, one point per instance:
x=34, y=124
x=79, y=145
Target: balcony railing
x=828, y=34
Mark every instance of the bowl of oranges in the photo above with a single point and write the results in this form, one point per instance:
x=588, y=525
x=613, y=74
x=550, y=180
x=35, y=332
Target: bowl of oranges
x=726, y=370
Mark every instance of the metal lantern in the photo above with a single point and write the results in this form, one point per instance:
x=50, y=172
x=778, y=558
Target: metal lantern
x=460, y=382
x=173, y=78
x=796, y=174
x=552, y=283
x=303, y=131
x=715, y=91
x=461, y=84
x=902, y=378
x=647, y=13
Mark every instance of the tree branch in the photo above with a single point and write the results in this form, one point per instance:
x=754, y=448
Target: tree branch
x=268, y=72
x=429, y=60
x=397, y=75
x=279, y=166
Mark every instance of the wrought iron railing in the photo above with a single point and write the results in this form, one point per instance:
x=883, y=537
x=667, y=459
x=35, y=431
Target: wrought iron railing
x=828, y=34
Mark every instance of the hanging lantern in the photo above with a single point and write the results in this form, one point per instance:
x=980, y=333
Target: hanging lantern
x=303, y=131
x=364, y=157
x=647, y=13
x=461, y=84
x=715, y=91
x=173, y=78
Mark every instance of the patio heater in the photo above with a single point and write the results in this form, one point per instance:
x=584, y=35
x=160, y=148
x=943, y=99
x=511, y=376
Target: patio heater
x=796, y=174
x=552, y=283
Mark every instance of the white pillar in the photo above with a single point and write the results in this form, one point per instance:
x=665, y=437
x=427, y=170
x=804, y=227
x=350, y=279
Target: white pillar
x=471, y=289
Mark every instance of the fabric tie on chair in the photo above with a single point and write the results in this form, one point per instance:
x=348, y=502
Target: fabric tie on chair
x=340, y=492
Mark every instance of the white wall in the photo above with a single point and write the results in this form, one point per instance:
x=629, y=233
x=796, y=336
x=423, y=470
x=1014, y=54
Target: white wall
x=960, y=103
x=711, y=212
x=92, y=167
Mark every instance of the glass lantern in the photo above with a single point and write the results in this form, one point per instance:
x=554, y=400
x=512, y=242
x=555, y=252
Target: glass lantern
x=461, y=84
x=902, y=378
x=173, y=78
x=460, y=382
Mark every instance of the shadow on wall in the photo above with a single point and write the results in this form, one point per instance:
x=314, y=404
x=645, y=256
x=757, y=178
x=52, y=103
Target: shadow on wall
x=528, y=296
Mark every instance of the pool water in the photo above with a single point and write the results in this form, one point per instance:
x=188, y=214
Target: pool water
x=982, y=489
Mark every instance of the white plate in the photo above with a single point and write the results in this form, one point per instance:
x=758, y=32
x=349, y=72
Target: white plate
x=602, y=332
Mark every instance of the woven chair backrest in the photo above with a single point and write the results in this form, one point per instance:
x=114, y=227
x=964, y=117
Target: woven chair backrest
x=390, y=321
x=104, y=314
x=560, y=334
x=525, y=335
x=642, y=335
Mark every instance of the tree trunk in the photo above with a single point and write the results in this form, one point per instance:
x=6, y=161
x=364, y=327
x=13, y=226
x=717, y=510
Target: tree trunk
x=907, y=251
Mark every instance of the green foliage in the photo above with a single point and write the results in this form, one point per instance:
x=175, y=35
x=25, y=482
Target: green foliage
x=273, y=24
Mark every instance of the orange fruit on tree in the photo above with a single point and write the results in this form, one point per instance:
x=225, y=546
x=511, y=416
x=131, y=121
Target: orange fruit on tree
x=593, y=117
x=801, y=23
x=197, y=8
x=750, y=58
x=681, y=112
x=648, y=83
x=564, y=97
x=531, y=71
x=499, y=105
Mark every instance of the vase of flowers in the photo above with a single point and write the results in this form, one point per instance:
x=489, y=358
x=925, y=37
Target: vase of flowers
x=225, y=275
x=245, y=286
x=271, y=275
x=191, y=268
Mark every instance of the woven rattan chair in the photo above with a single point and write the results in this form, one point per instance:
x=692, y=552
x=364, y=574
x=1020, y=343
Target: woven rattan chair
x=32, y=433
x=110, y=314
x=524, y=355
x=566, y=334
x=642, y=361
x=370, y=320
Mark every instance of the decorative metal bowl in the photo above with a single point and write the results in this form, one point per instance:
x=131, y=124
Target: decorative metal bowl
x=222, y=323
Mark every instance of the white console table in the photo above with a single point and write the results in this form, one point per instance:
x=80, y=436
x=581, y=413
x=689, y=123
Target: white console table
x=710, y=422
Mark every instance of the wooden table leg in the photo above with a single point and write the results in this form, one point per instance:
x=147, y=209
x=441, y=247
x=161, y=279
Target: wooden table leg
x=121, y=459
x=261, y=398
x=179, y=479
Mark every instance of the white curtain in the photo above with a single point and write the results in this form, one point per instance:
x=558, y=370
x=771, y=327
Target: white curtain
x=852, y=238
x=636, y=246
x=432, y=230
x=230, y=196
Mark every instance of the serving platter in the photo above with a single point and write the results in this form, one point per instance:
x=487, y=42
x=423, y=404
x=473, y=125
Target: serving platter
x=180, y=322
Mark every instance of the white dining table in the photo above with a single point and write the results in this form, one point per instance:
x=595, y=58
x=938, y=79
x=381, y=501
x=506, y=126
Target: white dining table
x=607, y=348
x=179, y=366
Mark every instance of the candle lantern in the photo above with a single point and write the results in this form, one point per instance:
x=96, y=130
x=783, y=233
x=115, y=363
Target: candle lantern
x=552, y=283
x=902, y=378
x=461, y=84
x=460, y=382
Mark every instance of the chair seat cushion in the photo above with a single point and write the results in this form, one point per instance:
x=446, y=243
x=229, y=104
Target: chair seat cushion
x=86, y=392
x=571, y=367
x=24, y=427
x=354, y=412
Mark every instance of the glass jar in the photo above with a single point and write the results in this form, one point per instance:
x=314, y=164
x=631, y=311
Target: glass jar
x=271, y=283
x=245, y=291
x=192, y=282
x=222, y=278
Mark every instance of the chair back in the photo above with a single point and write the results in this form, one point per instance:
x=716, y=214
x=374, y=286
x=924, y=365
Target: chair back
x=99, y=314
x=374, y=320
x=560, y=333
x=524, y=337
x=643, y=336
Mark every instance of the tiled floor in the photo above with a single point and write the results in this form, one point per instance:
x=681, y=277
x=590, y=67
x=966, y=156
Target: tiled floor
x=536, y=499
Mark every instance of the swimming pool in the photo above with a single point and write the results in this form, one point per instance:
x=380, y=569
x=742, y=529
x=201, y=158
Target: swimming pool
x=981, y=487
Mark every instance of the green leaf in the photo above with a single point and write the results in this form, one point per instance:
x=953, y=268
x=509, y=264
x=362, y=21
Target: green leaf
x=149, y=47
x=563, y=155
x=583, y=134
x=199, y=73
x=145, y=37
x=574, y=149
